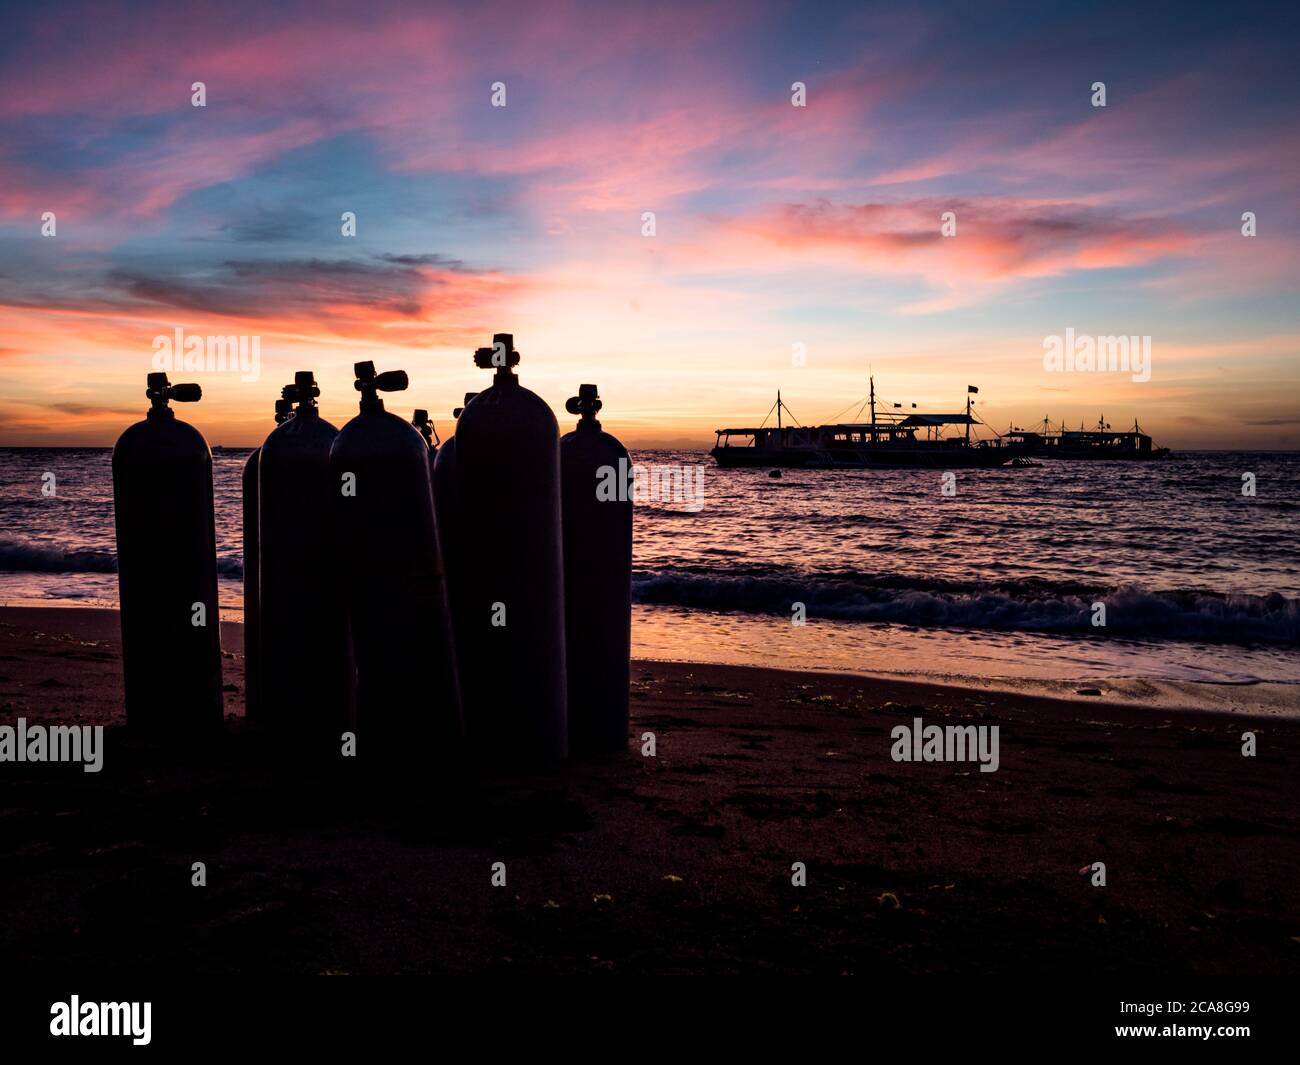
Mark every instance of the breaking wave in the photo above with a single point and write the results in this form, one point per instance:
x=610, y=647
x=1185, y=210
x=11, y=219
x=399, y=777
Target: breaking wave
x=19, y=557
x=1012, y=605
x=1025, y=605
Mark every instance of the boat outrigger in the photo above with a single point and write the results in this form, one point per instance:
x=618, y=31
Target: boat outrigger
x=888, y=439
x=1100, y=443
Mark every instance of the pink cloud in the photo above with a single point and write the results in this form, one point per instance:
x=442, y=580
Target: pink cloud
x=408, y=300
x=996, y=240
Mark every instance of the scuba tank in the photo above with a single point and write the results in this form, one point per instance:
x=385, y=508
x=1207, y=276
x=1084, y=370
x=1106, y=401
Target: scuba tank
x=446, y=506
x=508, y=469
x=252, y=609
x=426, y=428
x=597, y=580
x=407, y=692
x=167, y=569
x=306, y=658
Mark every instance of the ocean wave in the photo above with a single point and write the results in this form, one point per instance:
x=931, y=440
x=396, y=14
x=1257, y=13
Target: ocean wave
x=1013, y=605
x=20, y=557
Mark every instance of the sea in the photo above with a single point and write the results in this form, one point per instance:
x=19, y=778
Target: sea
x=1173, y=582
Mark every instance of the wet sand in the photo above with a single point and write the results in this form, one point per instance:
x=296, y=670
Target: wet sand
x=676, y=863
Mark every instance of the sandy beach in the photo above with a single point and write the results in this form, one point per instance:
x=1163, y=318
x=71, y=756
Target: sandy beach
x=679, y=863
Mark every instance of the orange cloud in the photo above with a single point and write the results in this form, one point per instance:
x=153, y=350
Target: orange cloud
x=995, y=240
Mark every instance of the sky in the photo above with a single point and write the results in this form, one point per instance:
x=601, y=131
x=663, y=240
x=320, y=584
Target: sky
x=791, y=247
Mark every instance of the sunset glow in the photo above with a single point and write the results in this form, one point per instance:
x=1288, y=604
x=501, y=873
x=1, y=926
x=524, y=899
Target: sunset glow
x=775, y=226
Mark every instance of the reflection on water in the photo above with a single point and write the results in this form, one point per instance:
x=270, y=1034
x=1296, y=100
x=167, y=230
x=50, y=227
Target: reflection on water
x=1200, y=582
x=1169, y=673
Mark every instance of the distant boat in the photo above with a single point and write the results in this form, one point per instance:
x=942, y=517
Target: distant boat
x=1099, y=443
x=888, y=439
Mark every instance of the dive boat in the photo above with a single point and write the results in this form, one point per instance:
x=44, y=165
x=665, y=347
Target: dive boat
x=1101, y=443
x=888, y=439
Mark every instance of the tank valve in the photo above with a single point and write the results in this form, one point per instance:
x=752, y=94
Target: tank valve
x=369, y=383
x=303, y=391
x=283, y=410
x=586, y=403
x=501, y=355
x=420, y=419
x=468, y=396
x=160, y=390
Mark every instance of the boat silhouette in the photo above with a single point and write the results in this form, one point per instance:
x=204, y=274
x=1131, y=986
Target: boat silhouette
x=1099, y=443
x=890, y=438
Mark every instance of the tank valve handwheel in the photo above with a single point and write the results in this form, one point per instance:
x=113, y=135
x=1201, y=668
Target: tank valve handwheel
x=500, y=356
x=369, y=383
x=303, y=391
x=160, y=390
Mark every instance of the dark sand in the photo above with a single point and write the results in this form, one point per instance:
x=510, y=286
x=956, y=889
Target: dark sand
x=678, y=863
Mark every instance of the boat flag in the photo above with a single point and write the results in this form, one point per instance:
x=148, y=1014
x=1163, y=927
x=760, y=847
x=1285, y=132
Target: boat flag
x=971, y=388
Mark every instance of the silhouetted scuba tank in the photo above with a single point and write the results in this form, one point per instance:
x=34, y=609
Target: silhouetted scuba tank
x=597, y=512
x=167, y=569
x=426, y=429
x=252, y=608
x=508, y=469
x=306, y=652
x=446, y=506
x=408, y=701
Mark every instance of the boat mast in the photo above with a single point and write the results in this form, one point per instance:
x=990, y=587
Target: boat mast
x=873, y=408
x=968, y=414
x=778, y=411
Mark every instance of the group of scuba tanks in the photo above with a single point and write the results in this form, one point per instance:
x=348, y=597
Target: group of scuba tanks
x=423, y=596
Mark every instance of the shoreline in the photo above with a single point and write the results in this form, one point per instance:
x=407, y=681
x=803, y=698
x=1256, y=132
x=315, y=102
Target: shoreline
x=1240, y=699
